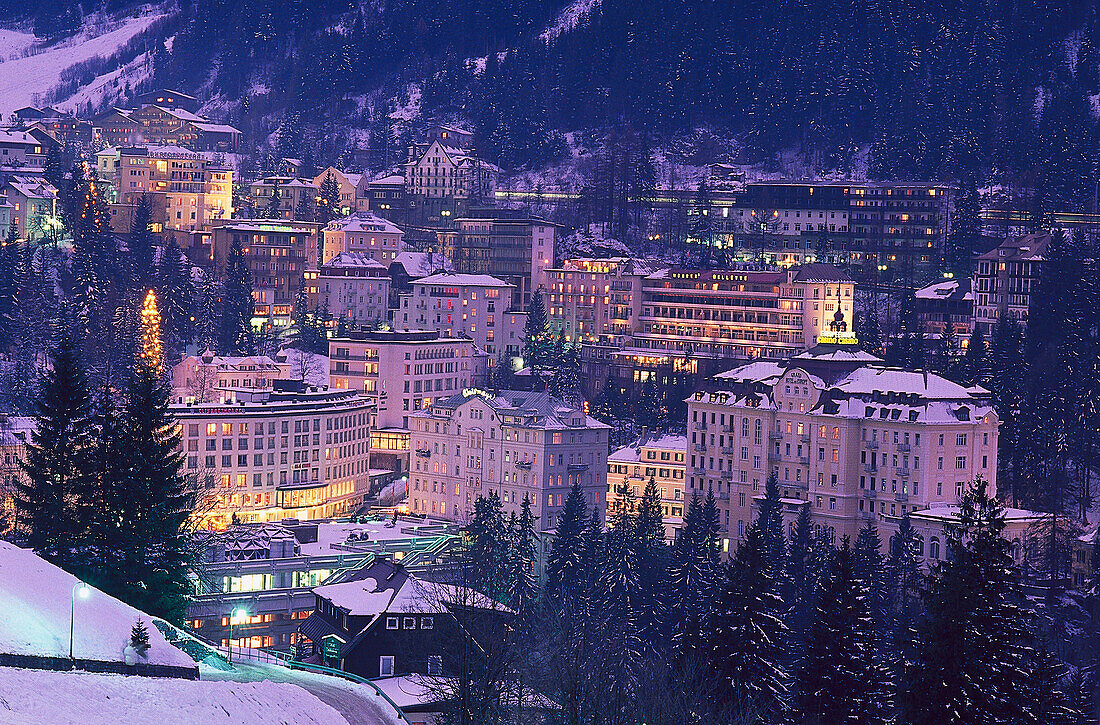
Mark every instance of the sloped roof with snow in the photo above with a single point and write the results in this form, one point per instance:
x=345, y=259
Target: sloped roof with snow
x=17, y=137
x=420, y=264
x=392, y=179
x=462, y=280
x=352, y=259
x=364, y=222
x=952, y=289
x=538, y=409
x=820, y=272
x=402, y=594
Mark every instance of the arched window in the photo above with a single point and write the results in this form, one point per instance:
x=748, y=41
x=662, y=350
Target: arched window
x=934, y=548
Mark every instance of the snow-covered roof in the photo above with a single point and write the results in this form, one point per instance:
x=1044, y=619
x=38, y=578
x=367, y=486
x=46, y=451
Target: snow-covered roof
x=539, y=409
x=359, y=260
x=34, y=189
x=952, y=289
x=952, y=513
x=215, y=127
x=1028, y=248
x=370, y=597
x=17, y=137
x=631, y=453
x=420, y=264
x=364, y=222
x=820, y=272
x=182, y=114
x=392, y=179
x=462, y=280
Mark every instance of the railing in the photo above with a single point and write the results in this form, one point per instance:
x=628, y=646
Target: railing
x=903, y=447
x=903, y=472
x=873, y=444
x=870, y=468
x=727, y=450
x=804, y=460
x=699, y=447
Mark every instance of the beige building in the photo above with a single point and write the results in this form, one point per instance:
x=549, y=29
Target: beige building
x=363, y=233
x=354, y=194
x=189, y=189
x=353, y=287
x=506, y=245
x=512, y=443
x=404, y=371
x=15, y=433
x=661, y=458
x=739, y=313
x=33, y=206
x=291, y=190
x=288, y=452
x=596, y=300
x=208, y=378
x=458, y=305
x=847, y=436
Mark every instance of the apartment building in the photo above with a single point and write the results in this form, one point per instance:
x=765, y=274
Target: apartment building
x=206, y=377
x=513, y=443
x=277, y=253
x=1005, y=278
x=164, y=123
x=946, y=305
x=363, y=233
x=661, y=458
x=739, y=313
x=352, y=287
x=506, y=245
x=404, y=371
x=596, y=300
x=847, y=436
x=15, y=433
x=189, y=189
x=354, y=196
x=19, y=148
x=443, y=180
x=457, y=305
x=287, y=452
x=291, y=191
x=32, y=203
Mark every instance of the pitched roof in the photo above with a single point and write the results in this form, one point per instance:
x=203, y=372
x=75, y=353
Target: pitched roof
x=1028, y=248
x=820, y=272
x=364, y=222
x=463, y=280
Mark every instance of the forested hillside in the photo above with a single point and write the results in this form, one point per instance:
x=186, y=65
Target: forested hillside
x=1003, y=91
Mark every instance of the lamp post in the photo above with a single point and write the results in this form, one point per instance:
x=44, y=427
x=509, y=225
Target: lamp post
x=80, y=589
x=235, y=616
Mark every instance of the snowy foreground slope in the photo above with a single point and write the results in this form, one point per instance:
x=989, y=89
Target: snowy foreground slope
x=71, y=698
x=35, y=601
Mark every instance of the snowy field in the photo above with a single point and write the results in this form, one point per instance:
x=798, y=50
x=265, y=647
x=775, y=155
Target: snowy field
x=35, y=601
x=70, y=698
x=22, y=78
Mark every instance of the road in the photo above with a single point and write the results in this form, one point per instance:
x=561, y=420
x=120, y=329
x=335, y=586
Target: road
x=359, y=704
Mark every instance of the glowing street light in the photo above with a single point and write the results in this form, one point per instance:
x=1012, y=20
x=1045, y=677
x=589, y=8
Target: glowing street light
x=234, y=618
x=81, y=590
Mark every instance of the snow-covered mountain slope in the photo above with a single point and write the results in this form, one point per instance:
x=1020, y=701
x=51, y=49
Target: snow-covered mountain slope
x=26, y=79
x=36, y=599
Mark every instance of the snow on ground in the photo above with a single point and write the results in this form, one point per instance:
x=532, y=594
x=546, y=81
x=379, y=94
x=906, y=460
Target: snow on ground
x=77, y=698
x=36, y=598
x=14, y=42
x=311, y=367
x=107, y=86
x=572, y=14
x=407, y=109
x=22, y=78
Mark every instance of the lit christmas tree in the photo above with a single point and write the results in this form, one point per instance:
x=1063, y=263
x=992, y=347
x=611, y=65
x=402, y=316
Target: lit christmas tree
x=151, y=353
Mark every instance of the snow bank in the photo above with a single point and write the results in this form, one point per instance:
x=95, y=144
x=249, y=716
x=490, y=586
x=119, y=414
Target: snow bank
x=71, y=698
x=23, y=78
x=572, y=14
x=35, y=603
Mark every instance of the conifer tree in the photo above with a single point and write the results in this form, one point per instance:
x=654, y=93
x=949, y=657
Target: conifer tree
x=972, y=648
x=838, y=680
x=536, y=330
x=139, y=638
x=563, y=567
x=801, y=580
x=176, y=297
x=158, y=501
x=328, y=201
x=140, y=247
x=972, y=367
x=52, y=502
x=487, y=547
x=305, y=210
x=273, y=209
x=748, y=636
x=692, y=575
x=236, y=335
x=524, y=589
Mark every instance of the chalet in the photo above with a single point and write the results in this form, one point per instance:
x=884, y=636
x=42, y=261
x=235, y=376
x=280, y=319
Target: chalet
x=387, y=622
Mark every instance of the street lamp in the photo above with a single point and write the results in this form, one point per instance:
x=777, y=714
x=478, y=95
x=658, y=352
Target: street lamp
x=80, y=589
x=234, y=617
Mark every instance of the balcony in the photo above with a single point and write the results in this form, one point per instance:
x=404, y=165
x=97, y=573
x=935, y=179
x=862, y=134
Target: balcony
x=867, y=515
x=699, y=447
x=775, y=435
x=728, y=428
x=901, y=497
x=805, y=437
x=574, y=467
x=872, y=444
x=424, y=452
x=870, y=493
x=903, y=447
x=903, y=472
x=698, y=471
x=727, y=475
x=700, y=425
x=870, y=468
x=723, y=495
x=727, y=450
x=804, y=460
x=774, y=457
x=525, y=465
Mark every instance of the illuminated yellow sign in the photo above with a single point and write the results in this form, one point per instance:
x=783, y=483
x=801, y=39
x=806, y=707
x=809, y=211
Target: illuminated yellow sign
x=837, y=338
